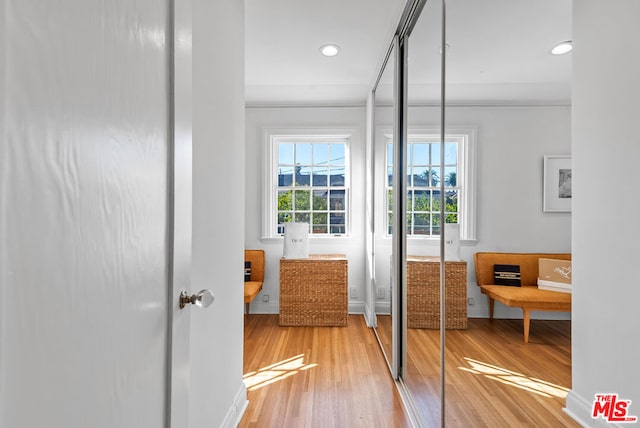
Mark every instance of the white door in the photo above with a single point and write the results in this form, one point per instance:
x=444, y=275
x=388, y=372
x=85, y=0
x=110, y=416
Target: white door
x=88, y=258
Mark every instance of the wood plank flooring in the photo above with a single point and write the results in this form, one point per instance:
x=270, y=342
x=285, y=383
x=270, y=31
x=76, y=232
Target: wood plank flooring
x=337, y=377
x=317, y=377
x=493, y=378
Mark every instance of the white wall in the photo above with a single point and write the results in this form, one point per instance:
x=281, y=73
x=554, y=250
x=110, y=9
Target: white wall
x=257, y=119
x=511, y=143
x=606, y=66
x=217, y=394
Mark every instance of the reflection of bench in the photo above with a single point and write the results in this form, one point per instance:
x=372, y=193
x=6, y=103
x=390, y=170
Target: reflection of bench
x=528, y=296
x=254, y=285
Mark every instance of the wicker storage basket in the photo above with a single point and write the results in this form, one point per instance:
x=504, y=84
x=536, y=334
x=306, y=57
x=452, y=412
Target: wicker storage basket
x=313, y=291
x=423, y=293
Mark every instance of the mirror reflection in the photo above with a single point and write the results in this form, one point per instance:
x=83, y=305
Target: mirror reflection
x=425, y=175
x=382, y=174
x=493, y=96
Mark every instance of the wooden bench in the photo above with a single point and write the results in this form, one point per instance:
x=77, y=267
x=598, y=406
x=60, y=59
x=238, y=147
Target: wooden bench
x=254, y=285
x=528, y=296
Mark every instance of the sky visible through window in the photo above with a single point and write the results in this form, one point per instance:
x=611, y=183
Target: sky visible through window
x=423, y=186
x=312, y=186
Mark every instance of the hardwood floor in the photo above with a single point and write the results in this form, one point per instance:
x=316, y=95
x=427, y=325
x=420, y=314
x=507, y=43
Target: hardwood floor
x=317, y=377
x=337, y=377
x=493, y=378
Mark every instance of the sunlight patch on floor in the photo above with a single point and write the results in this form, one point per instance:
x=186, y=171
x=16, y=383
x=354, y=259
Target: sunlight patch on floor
x=511, y=378
x=276, y=372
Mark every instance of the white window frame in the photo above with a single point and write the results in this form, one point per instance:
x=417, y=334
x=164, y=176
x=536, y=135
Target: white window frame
x=466, y=178
x=270, y=172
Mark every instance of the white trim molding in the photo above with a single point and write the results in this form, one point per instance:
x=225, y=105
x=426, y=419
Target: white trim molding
x=580, y=410
x=355, y=307
x=383, y=308
x=237, y=409
x=270, y=158
x=466, y=136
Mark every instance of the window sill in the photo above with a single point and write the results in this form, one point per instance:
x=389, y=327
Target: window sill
x=312, y=239
x=432, y=241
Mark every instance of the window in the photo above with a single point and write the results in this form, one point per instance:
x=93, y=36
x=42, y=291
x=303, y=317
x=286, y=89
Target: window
x=424, y=180
x=310, y=183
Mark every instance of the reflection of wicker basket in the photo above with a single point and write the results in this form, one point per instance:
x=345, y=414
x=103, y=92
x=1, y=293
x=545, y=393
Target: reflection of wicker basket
x=423, y=293
x=313, y=291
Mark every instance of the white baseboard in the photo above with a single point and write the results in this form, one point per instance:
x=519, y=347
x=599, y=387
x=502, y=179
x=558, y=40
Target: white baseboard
x=355, y=307
x=580, y=408
x=383, y=308
x=265, y=308
x=237, y=409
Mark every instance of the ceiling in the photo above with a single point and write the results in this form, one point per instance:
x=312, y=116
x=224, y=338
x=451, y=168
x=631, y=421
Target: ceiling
x=498, y=51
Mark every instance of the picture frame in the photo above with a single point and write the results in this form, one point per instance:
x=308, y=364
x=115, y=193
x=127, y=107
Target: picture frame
x=557, y=191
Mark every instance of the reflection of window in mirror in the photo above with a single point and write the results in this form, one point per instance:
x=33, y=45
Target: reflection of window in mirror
x=424, y=170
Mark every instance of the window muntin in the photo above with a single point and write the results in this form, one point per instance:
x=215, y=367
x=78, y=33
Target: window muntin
x=423, y=183
x=311, y=183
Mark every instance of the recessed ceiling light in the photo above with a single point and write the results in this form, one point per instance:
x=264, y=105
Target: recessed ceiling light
x=330, y=50
x=562, y=48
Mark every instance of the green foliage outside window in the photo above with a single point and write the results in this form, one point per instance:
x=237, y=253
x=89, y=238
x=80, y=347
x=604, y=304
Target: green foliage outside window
x=423, y=187
x=312, y=185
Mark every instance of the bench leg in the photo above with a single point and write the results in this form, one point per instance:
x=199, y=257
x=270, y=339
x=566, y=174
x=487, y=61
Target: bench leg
x=526, y=321
x=246, y=305
x=491, y=305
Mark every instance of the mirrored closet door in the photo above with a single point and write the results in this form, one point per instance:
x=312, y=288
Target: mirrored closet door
x=424, y=181
x=385, y=290
x=408, y=216
x=421, y=368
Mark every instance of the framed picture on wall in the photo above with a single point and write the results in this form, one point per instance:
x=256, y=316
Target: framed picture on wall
x=557, y=184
